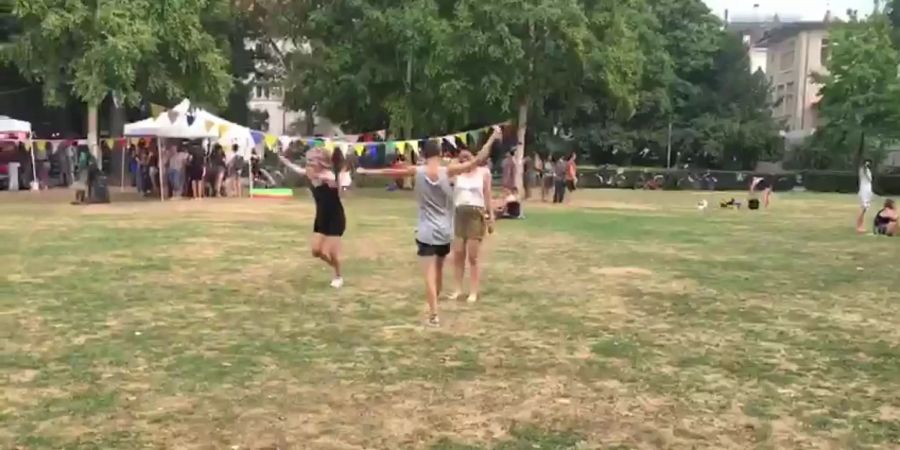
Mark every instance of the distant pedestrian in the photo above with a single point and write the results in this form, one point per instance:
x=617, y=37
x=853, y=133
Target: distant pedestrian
x=559, y=181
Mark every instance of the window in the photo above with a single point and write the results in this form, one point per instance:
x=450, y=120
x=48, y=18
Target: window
x=825, y=51
x=787, y=60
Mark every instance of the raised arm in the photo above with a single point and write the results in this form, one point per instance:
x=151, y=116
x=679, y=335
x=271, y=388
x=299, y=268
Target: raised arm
x=295, y=168
x=482, y=156
x=399, y=172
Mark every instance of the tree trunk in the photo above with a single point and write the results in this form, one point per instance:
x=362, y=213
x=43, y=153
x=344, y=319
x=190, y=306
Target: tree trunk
x=116, y=120
x=310, y=121
x=861, y=150
x=93, y=134
x=520, y=146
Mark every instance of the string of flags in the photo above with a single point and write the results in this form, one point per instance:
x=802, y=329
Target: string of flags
x=349, y=143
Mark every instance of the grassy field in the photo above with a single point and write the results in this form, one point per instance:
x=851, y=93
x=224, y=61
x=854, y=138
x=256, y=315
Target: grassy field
x=628, y=320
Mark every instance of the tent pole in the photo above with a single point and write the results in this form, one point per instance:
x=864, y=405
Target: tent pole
x=124, y=148
x=35, y=184
x=159, y=157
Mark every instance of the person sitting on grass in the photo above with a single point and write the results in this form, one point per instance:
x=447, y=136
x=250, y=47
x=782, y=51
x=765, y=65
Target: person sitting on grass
x=510, y=207
x=886, y=219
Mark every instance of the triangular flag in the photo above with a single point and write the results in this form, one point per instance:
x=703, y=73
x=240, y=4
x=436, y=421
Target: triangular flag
x=464, y=138
x=223, y=129
x=343, y=147
x=329, y=145
x=156, y=110
x=41, y=145
x=209, y=125
x=381, y=133
x=270, y=141
x=110, y=143
x=173, y=116
x=390, y=147
x=360, y=149
x=414, y=147
x=401, y=147
x=135, y=141
x=285, y=142
x=450, y=140
x=476, y=136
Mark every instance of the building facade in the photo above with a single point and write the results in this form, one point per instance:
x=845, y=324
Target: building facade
x=795, y=53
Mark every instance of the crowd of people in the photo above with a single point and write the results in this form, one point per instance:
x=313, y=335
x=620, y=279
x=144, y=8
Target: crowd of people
x=188, y=170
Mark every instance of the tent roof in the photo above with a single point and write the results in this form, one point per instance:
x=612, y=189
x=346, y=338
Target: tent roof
x=9, y=125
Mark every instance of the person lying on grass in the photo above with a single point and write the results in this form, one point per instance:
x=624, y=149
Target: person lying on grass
x=886, y=219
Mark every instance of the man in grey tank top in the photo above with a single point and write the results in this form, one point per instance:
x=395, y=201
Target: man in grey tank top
x=435, y=198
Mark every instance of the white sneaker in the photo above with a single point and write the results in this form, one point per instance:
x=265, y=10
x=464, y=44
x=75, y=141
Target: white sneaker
x=337, y=283
x=472, y=298
x=454, y=296
x=434, y=321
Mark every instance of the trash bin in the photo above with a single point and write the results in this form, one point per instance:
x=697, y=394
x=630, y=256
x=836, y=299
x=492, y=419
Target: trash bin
x=99, y=190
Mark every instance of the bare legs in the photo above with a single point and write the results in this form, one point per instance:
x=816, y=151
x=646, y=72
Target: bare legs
x=861, y=221
x=433, y=268
x=328, y=249
x=467, y=250
x=197, y=188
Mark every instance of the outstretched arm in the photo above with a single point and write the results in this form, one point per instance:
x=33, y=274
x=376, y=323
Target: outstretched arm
x=390, y=172
x=295, y=168
x=482, y=156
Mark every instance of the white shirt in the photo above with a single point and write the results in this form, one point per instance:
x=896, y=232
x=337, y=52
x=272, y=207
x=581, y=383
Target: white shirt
x=469, y=188
x=865, y=180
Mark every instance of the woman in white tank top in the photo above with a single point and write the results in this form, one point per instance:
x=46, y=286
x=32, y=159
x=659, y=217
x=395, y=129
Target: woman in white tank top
x=472, y=218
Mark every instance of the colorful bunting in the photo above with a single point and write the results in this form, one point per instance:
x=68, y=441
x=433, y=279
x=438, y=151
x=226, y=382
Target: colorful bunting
x=382, y=134
x=464, y=138
x=257, y=137
x=209, y=125
x=285, y=142
x=156, y=110
x=271, y=141
x=110, y=143
x=41, y=145
x=223, y=129
x=173, y=116
x=329, y=146
x=450, y=140
x=360, y=149
x=414, y=147
x=390, y=147
x=135, y=141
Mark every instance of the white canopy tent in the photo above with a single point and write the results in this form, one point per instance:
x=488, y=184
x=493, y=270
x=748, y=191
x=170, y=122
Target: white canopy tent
x=193, y=123
x=10, y=125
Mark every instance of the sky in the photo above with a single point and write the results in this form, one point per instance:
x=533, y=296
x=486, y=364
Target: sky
x=803, y=9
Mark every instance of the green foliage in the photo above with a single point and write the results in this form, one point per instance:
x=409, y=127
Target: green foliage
x=861, y=90
x=129, y=48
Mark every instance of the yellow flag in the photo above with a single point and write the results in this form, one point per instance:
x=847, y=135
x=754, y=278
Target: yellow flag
x=41, y=145
x=270, y=141
x=110, y=143
x=135, y=141
x=223, y=129
x=156, y=110
x=360, y=149
x=464, y=138
x=329, y=146
x=401, y=147
x=209, y=125
x=414, y=147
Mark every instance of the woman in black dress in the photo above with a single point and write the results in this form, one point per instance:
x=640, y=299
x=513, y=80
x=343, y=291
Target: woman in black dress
x=217, y=169
x=197, y=172
x=330, y=222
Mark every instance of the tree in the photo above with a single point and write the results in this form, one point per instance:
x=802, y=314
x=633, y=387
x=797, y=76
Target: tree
x=128, y=49
x=861, y=91
x=525, y=52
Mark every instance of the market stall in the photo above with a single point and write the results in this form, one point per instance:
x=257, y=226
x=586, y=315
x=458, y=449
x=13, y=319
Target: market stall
x=17, y=131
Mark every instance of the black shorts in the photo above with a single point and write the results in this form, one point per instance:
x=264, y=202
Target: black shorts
x=331, y=225
x=570, y=185
x=427, y=250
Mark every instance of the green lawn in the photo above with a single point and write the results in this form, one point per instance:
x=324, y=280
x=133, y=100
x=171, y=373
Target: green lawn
x=628, y=320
